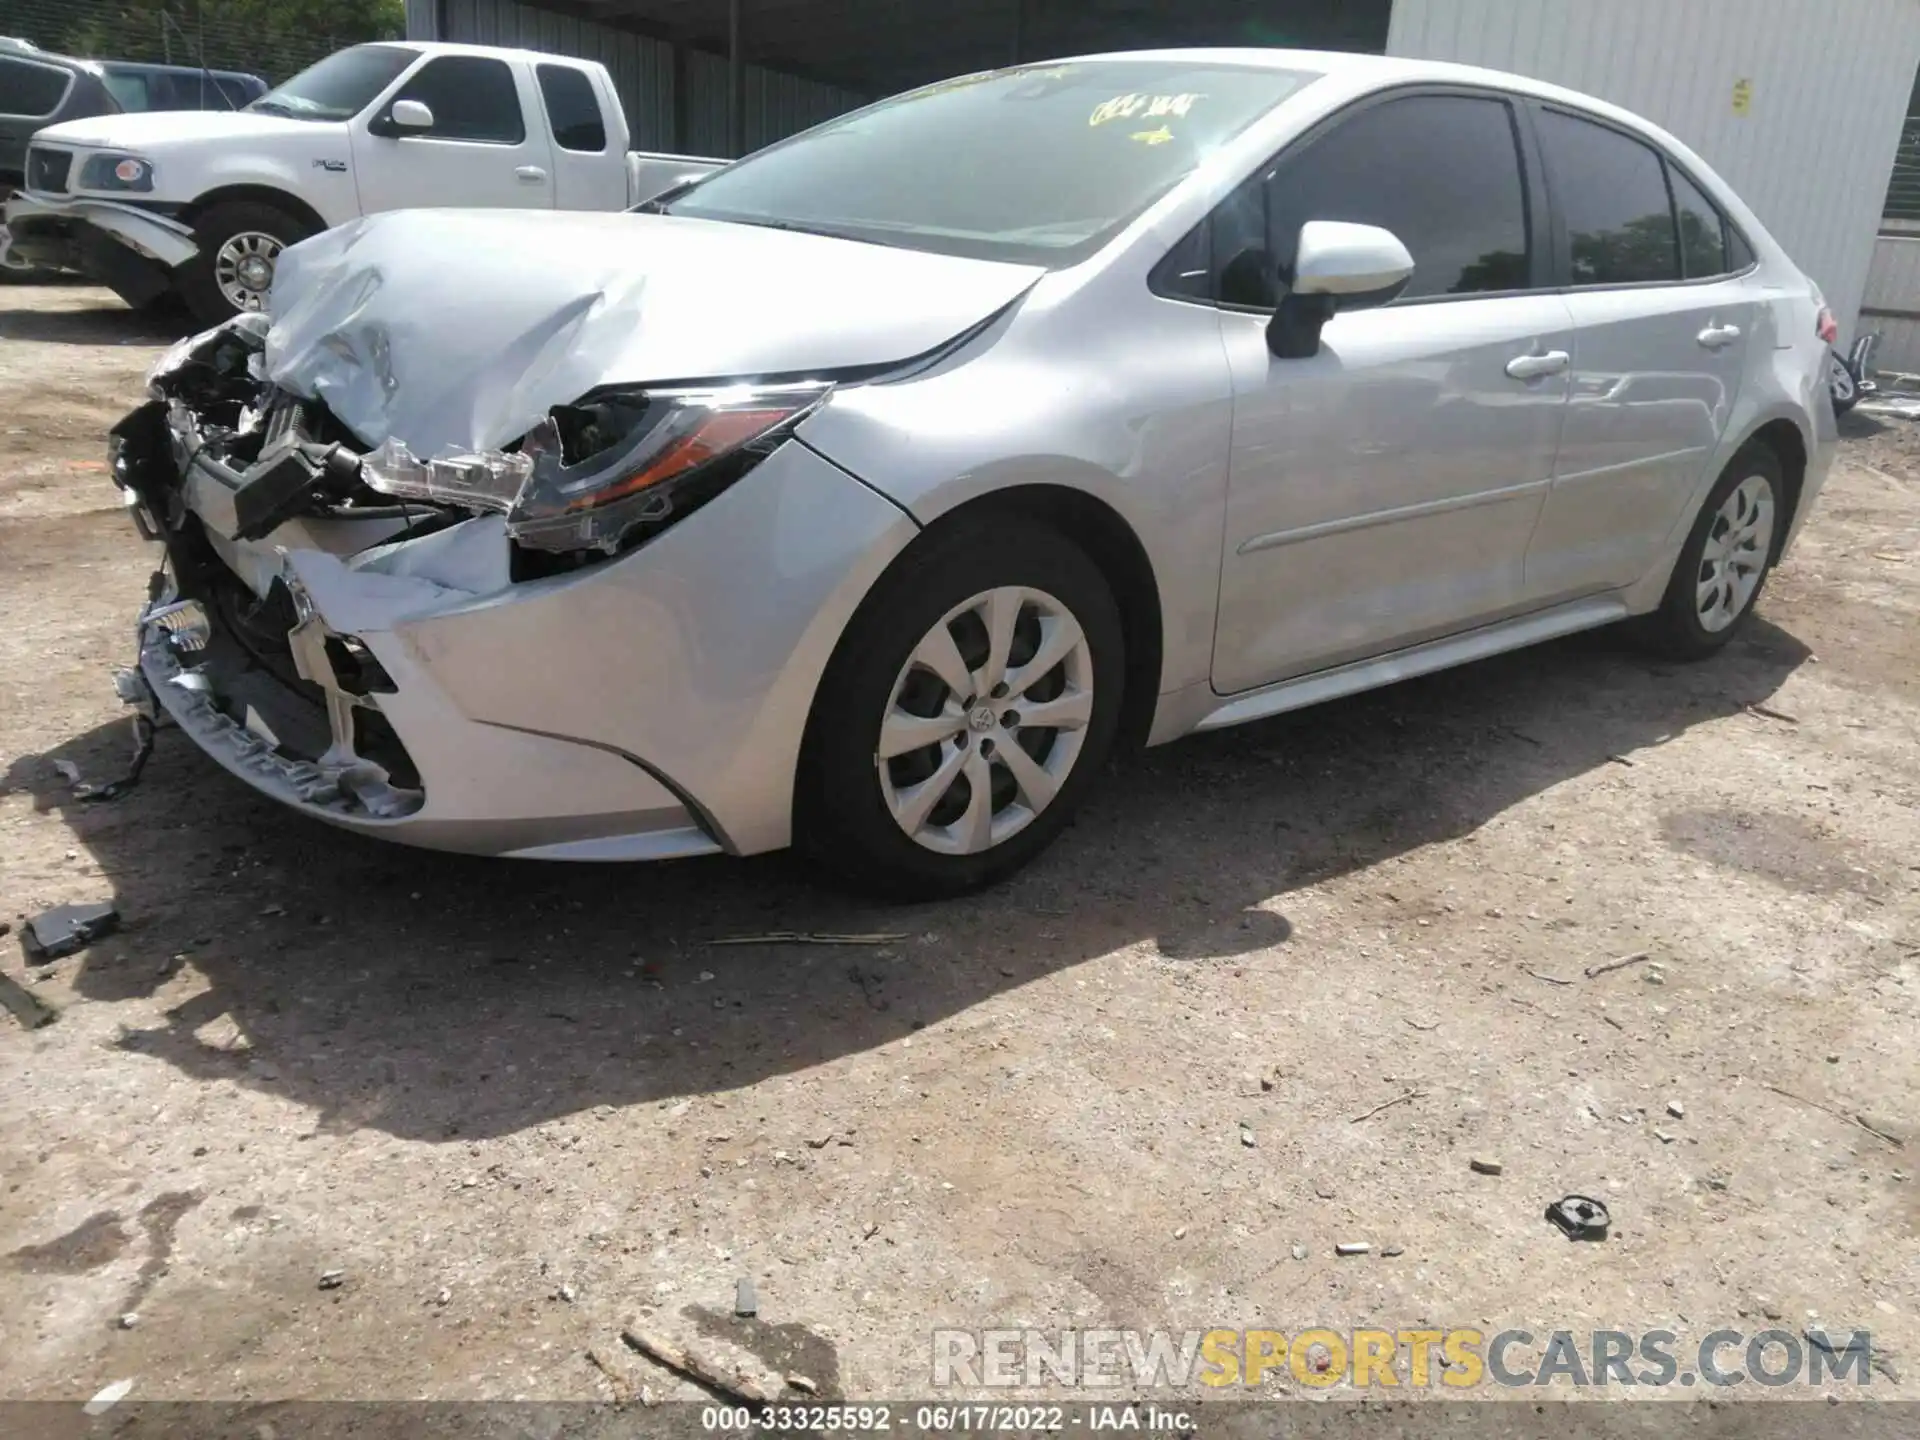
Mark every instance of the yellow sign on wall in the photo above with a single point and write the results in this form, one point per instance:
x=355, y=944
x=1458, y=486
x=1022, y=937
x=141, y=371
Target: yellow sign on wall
x=1742, y=96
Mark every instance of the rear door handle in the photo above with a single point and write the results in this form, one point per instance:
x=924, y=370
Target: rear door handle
x=1718, y=337
x=532, y=174
x=1532, y=367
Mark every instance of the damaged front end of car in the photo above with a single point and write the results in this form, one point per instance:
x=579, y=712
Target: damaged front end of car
x=296, y=553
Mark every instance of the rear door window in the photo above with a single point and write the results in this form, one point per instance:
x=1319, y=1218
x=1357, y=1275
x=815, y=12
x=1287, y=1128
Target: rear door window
x=1612, y=191
x=472, y=97
x=31, y=90
x=572, y=109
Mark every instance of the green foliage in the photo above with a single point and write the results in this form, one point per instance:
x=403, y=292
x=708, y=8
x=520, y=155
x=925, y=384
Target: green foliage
x=273, y=38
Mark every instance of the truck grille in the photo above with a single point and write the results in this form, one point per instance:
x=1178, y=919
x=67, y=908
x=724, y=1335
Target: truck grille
x=47, y=169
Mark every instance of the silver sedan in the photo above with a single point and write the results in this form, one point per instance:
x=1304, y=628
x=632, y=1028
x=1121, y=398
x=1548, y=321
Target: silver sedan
x=864, y=495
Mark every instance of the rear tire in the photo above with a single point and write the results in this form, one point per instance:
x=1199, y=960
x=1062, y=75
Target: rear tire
x=972, y=789
x=1724, y=565
x=1841, y=383
x=240, y=242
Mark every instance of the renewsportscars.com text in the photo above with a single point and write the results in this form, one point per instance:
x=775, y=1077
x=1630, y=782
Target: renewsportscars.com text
x=1455, y=1359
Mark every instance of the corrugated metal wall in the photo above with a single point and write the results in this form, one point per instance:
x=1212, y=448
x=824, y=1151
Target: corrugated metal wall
x=1893, y=288
x=1827, y=86
x=776, y=105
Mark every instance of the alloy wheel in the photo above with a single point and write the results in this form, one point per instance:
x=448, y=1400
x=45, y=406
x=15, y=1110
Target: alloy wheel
x=985, y=720
x=1735, y=556
x=243, y=268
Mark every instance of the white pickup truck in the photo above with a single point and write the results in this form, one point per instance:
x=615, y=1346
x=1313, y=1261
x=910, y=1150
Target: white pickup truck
x=202, y=203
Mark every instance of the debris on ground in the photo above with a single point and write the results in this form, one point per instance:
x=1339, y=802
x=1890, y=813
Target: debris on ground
x=810, y=937
x=1635, y=959
x=1550, y=979
x=130, y=1319
x=694, y=1365
x=107, y=1398
x=66, y=930
x=1676, y=1110
x=1580, y=1217
x=1387, y=1252
x=1400, y=1099
x=1481, y=1165
x=746, y=1300
x=1663, y=1137
x=332, y=1279
x=1868, y=1126
x=1246, y=1136
x=28, y=1008
x=1299, y=1252
x=1772, y=714
x=1352, y=1247
x=803, y=1384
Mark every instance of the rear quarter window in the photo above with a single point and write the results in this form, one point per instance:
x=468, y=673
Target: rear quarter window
x=30, y=89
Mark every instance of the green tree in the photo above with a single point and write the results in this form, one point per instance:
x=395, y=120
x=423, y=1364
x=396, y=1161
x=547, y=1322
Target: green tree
x=273, y=38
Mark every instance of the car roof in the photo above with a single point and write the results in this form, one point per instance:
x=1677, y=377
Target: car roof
x=151, y=67
x=1364, y=71
x=499, y=52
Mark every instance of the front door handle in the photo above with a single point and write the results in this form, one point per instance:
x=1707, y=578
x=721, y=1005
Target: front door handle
x=532, y=174
x=1532, y=367
x=1718, y=337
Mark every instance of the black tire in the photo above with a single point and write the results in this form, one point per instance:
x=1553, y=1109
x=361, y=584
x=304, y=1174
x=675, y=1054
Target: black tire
x=196, y=279
x=841, y=818
x=1676, y=629
x=1842, y=384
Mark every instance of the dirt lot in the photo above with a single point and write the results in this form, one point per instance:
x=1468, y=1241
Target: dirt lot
x=515, y=1105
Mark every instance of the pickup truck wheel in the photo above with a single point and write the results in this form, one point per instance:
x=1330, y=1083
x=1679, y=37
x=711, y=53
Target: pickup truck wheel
x=240, y=242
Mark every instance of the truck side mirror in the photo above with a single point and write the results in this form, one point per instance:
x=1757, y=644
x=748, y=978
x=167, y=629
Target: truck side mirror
x=404, y=118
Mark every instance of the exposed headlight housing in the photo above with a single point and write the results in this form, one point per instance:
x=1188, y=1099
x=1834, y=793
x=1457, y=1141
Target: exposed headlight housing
x=617, y=461
x=111, y=171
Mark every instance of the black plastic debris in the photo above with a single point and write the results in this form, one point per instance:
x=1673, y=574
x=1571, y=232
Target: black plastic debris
x=1581, y=1217
x=66, y=930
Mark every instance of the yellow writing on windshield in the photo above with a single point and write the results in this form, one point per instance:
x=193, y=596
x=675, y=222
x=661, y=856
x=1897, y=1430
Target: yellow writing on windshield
x=1152, y=137
x=1135, y=105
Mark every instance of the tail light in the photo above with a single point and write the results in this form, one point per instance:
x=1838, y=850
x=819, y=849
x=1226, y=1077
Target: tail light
x=1826, y=327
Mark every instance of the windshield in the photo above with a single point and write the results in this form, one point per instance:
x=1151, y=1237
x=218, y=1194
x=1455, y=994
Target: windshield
x=340, y=86
x=1040, y=164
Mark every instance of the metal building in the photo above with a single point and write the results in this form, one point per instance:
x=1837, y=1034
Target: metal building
x=1798, y=103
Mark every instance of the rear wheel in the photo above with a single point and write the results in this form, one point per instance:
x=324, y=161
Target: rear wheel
x=240, y=244
x=1726, y=559
x=968, y=707
x=1841, y=382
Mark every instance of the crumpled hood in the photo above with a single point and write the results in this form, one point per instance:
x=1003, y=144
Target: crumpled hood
x=144, y=131
x=462, y=328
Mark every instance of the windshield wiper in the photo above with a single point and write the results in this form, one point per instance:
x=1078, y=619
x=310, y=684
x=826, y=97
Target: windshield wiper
x=266, y=105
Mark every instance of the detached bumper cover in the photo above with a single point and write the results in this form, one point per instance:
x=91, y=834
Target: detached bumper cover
x=645, y=707
x=132, y=251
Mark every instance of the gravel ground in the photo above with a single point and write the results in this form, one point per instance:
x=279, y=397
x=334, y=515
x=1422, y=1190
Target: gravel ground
x=516, y=1105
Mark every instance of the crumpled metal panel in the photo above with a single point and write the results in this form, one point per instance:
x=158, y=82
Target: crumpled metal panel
x=462, y=328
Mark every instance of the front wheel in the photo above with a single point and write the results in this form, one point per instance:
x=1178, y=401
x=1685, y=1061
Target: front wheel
x=968, y=707
x=1726, y=559
x=239, y=246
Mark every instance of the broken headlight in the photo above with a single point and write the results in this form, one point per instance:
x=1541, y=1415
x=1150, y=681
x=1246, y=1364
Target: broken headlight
x=594, y=472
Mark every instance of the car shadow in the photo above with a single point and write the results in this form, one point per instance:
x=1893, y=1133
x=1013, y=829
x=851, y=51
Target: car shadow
x=107, y=323
x=432, y=996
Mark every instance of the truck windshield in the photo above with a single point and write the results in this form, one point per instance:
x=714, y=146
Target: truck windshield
x=340, y=86
x=1038, y=164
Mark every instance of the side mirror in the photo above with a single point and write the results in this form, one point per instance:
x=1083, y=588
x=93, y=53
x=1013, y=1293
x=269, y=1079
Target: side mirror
x=1337, y=267
x=411, y=115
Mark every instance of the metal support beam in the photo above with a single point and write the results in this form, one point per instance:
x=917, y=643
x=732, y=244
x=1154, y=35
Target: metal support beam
x=736, y=84
x=679, y=140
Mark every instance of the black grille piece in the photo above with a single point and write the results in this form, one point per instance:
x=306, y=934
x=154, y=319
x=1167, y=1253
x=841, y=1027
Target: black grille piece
x=47, y=169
